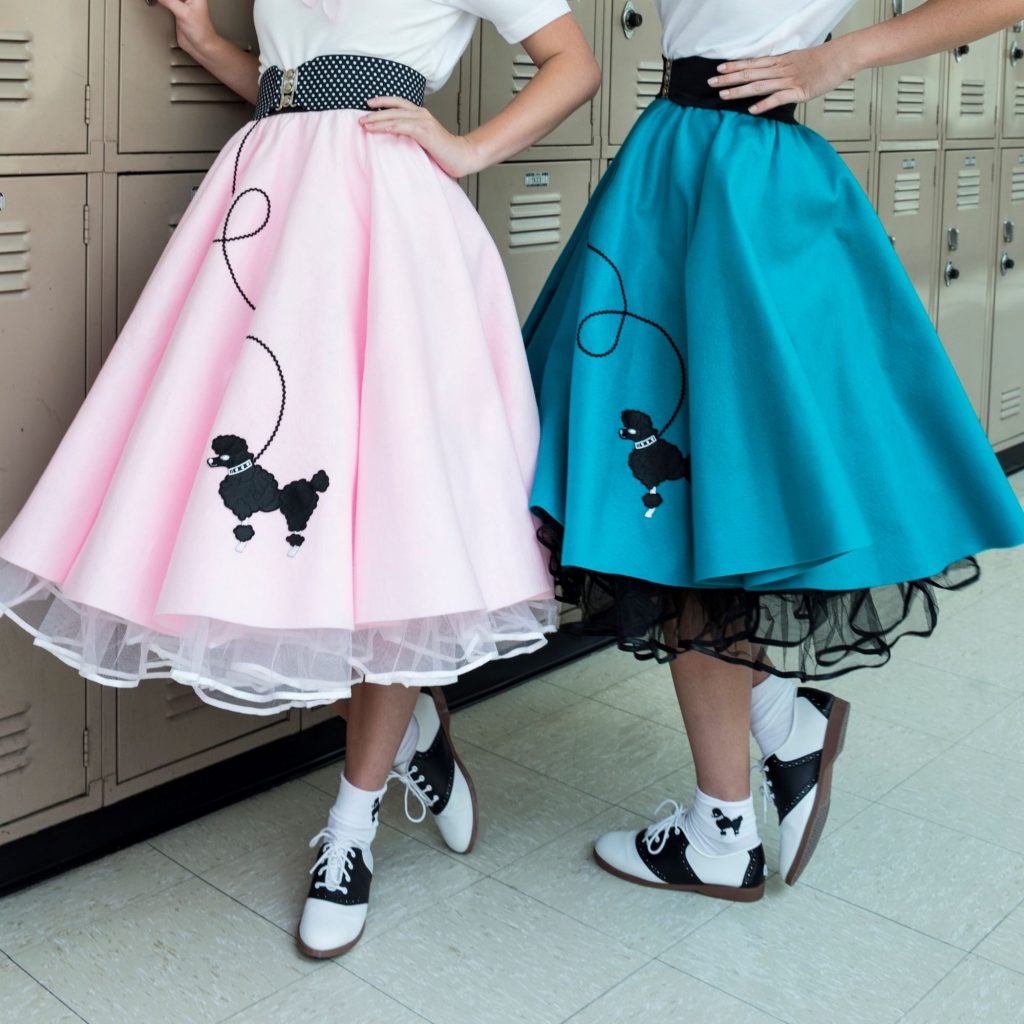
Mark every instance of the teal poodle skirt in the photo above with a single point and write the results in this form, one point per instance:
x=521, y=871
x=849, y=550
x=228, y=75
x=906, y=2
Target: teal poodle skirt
x=753, y=443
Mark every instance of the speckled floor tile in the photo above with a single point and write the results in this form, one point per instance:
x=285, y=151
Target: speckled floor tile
x=75, y=898
x=1005, y=943
x=1001, y=734
x=564, y=875
x=24, y=1001
x=649, y=694
x=596, y=672
x=945, y=884
x=188, y=953
x=490, y=953
x=974, y=991
x=806, y=957
x=492, y=720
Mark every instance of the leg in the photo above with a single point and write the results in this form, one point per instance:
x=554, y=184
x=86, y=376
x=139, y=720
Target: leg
x=378, y=717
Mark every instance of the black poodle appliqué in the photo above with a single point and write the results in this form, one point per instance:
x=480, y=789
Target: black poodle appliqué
x=653, y=460
x=248, y=488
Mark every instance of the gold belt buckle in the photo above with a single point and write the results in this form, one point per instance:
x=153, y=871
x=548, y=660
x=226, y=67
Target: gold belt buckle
x=288, y=86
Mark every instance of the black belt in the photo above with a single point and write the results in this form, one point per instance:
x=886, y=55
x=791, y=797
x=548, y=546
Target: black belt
x=336, y=82
x=685, y=81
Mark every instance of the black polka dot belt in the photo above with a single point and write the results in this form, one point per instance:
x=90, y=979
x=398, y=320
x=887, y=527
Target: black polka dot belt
x=336, y=82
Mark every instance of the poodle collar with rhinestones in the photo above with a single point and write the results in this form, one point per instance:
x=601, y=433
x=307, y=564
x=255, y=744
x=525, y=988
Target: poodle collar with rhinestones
x=646, y=442
x=240, y=468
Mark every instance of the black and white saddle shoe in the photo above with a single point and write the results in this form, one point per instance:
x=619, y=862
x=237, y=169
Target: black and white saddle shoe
x=799, y=776
x=335, y=911
x=661, y=856
x=436, y=779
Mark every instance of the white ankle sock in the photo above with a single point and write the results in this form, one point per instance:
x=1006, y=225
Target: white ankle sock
x=354, y=814
x=709, y=818
x=772, y=705
x=408, y=745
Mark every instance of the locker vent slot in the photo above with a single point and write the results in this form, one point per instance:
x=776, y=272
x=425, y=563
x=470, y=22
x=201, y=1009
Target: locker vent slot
x=1011, y=403
x=842, y=100
x=180, y=700
x=1017, y=186
x=535, y=222
x=14, y=741
x=15, y=256
x=648, y=82
x=968, y=189
x=910, y=96
x=972, y=98
x=906, y=200
x=1018, y=99
x=15, y=66
x=192, y=83
x=523, y=71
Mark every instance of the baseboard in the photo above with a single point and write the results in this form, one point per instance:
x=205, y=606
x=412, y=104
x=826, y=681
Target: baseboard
x=1012, y=459
x=60, y=847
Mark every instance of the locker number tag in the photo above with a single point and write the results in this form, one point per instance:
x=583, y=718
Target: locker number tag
x=970, y=161
x=536, y=179
x=3, y=202
x=909, y=164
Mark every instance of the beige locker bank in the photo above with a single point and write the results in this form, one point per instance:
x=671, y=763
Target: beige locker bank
x=106, y=130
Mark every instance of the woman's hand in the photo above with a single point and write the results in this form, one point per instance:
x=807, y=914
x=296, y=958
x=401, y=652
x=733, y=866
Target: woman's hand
x=793, y=77
x=192, y=21
x=392, y=115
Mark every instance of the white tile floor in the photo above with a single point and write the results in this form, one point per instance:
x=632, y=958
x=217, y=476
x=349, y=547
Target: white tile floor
x=913, y=908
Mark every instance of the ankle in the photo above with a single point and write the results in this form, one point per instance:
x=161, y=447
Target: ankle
x=716, y=826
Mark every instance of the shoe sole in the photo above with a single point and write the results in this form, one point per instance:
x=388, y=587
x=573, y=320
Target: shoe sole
x=326, y=954
x=717, y=892
x=441, y=704
x=835, y=738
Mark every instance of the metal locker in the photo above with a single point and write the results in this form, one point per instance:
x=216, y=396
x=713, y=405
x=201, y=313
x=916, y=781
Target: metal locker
x=910, y=92
x=860, y=168
x=844, y=114
x=446, y=104
x=168, y=102
x=972, y=99
x=531, y=210
x=43, y=325
x=506, y=70
x=44, y=76
x=43, y=740
x=1013, y=83
x=908, y=186
x=1006, y=402
x=163, y=724
x=968, y=213
x=149, y=207
x=634, y=79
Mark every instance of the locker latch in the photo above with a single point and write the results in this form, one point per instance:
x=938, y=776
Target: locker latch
x=951, y=273
x=953, y=238
x=632, y=19
x=1016, y=53
x=1008, y=231
x=897, y=8
x=1006, y=264
x=960, y=52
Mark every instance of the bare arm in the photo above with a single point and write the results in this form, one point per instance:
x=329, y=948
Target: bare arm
x=238, y=70
x=803, y=74
x=568, y=76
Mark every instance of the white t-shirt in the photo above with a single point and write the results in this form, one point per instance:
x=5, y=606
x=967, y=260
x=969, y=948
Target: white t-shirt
x=427, y=35
x=745, y=28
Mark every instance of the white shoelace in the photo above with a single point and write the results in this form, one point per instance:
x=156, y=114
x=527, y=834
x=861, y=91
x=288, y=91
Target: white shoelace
x=417, y=787
x=656, y=835
x=336, y=860
x=766, y=785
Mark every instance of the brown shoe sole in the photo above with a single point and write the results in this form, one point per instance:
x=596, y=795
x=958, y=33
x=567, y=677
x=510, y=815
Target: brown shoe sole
x=441, y=703
x=835, y=738
x=716, y=892
x=326, y=954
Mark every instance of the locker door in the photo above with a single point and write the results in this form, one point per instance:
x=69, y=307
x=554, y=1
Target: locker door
x=910, y=92
x=168, y=103
x=531, y=210
x=906, y=205
x=968, y=212
x=844, y=114
x=163, y=723
x=44, y=74
x=973, y=89
x=1013, y=84
x=1006, y=403
x=506, y=70
x=636, y=65
x=860, y=168
x=42, y=324
x=149, y=207
x=42, y=729
x=446, y=104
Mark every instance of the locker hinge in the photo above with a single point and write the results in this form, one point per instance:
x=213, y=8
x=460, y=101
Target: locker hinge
x=85, y=224
x=85, y=747
x=88, y=103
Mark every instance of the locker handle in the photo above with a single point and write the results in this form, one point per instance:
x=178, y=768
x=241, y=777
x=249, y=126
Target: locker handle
x=632, y=19
x=1008, y=231
x=1006, y=264
x=951, y=273
x=961, y=51
x=953, y=237
x=1016, y=53
x=897, y=8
